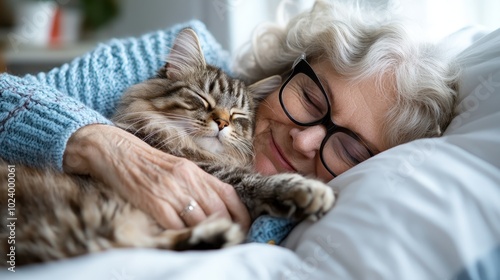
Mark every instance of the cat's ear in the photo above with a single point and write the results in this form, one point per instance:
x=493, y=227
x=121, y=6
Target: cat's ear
x=185, y=56
x=264, y=87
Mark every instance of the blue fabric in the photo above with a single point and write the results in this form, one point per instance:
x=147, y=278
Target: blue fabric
x=270, y=230
x=38, y=113
x=485, y=268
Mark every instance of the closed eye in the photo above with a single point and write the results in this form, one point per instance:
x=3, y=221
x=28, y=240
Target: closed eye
x=354, y=151
x=315, y=100
x=204, y=99
x=235, y=114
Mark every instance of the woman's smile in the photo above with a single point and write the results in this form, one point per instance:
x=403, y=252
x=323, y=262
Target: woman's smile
x=284, y=146
x=279, y=156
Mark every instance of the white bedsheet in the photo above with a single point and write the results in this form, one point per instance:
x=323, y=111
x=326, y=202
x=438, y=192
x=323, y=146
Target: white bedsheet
x=249, y=261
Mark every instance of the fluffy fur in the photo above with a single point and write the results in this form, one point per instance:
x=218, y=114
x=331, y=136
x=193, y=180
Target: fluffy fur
x=189, y=109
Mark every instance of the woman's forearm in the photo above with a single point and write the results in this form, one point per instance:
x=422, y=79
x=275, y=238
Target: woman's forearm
x=36, y=121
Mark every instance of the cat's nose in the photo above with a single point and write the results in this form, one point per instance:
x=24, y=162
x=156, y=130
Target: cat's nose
x=221, y=123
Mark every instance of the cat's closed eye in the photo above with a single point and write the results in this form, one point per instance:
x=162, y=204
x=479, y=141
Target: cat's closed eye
x=238, y=113
x=207, y=102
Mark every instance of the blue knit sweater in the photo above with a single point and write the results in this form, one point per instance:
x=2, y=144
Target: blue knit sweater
x=38, y=114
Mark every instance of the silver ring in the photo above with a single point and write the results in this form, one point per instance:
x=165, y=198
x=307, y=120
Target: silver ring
x=190, y=207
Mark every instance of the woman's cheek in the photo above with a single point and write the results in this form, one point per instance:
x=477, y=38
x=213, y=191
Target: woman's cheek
x=263, y=165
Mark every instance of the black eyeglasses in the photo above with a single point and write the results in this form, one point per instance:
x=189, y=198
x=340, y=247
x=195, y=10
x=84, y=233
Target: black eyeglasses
x=306, y=103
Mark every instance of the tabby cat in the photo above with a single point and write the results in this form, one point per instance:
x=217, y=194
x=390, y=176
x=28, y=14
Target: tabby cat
x=190, y=109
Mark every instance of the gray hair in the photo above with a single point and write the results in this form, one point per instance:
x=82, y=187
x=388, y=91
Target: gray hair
x=362, y=44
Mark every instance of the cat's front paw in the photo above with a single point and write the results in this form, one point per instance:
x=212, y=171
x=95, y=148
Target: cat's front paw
x=306, y=198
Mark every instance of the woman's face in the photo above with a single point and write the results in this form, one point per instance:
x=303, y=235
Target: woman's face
x=282, y=146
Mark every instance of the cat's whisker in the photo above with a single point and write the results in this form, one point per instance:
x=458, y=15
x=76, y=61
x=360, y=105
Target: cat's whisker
x=158, y=128
x=157, y=120
x=151, y=120
x=143, y=116
x=168, y=141
x=241, y=147
x=137, y=131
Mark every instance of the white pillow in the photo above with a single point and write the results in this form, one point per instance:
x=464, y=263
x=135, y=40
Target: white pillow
x=429, y=209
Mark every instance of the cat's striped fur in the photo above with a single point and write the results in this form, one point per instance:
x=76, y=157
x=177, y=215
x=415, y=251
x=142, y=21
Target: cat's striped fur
x=191, y=110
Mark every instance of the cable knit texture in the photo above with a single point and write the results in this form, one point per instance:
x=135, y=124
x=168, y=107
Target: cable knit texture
x=38, y=113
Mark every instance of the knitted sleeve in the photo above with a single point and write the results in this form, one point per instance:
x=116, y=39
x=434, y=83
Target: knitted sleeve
x=39, y=113
x=36, y=121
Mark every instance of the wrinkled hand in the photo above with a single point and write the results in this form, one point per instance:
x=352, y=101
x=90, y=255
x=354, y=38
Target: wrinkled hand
x=158, y=183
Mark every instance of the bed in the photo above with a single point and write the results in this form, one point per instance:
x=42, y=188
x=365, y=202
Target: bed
x=429, y=209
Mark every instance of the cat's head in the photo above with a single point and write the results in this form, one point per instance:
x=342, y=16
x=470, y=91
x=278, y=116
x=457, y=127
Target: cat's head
x=193, y=106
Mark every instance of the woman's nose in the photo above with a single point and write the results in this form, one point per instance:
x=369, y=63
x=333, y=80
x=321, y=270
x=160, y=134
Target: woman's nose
x=308, y=141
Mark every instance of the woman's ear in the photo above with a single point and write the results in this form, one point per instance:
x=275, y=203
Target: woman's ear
x=264, y=87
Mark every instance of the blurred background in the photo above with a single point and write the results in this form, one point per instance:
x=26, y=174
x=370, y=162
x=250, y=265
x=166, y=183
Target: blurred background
x=37, y=35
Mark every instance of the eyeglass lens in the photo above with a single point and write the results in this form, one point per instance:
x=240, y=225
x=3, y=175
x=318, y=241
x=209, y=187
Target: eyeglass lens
x=306, y=103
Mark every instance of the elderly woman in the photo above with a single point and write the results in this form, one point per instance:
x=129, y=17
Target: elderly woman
x=355, y=84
